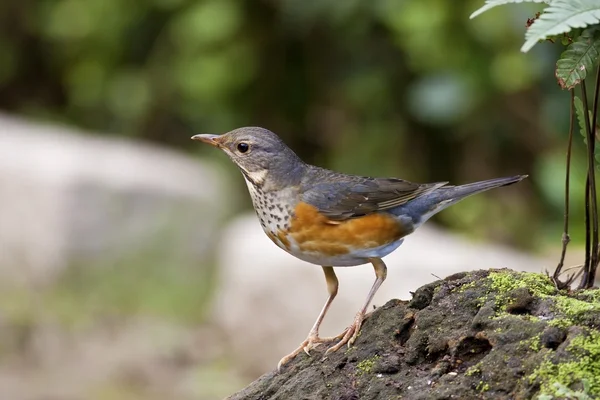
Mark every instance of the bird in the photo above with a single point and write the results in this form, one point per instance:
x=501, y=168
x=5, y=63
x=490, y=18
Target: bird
x=333, y=219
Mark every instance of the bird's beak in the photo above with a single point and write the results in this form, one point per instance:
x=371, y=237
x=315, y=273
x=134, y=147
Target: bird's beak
x=213, y=140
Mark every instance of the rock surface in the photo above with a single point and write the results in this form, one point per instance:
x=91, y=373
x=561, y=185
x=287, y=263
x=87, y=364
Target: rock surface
x=70, y=198
x=274, y=298
x=481, y=335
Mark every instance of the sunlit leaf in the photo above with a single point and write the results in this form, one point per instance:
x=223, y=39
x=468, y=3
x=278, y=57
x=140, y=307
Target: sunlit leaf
x=489, y=4
x=560, y=17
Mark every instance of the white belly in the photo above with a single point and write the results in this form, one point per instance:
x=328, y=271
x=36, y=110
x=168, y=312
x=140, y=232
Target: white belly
x=355, y=257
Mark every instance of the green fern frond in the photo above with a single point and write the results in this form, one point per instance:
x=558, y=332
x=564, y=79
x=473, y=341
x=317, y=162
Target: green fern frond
x=560, y=17
x=489, y=4
x=581, y=120
x=580, y=57
x=580, y=117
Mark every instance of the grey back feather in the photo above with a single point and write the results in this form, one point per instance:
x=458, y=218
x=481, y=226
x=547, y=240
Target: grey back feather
x=339, y=196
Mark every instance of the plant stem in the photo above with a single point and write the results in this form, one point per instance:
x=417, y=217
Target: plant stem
x=595, y=247
x=588, y=239
x=591, y=256
x=565, y=236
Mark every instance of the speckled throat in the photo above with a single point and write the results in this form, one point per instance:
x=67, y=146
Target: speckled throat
x=274, y=208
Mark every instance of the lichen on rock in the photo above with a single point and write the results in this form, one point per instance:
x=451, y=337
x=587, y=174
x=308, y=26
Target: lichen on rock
x=496, y=334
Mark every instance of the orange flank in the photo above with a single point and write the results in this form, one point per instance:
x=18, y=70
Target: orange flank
x=271, y=236
x=314, y=232
x=283, y=239
x=280, y=239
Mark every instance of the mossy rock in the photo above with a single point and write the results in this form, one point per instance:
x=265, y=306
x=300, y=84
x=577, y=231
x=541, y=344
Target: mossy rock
x=496, y=334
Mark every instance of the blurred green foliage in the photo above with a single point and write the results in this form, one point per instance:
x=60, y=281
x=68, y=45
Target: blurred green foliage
x=409, y=88
x=84, y=297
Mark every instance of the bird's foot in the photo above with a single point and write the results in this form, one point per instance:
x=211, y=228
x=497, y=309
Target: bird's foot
x=312, y=341
x=349, y=335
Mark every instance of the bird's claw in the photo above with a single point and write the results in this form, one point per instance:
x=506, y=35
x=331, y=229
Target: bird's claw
x=311, y=342
x=309, y=346
x=349, y=335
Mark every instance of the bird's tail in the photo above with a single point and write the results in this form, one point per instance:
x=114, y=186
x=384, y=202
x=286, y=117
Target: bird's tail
x=457, y=193
x=424, y=207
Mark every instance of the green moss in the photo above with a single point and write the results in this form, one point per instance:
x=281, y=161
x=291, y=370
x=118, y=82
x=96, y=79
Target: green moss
x=475, y=369
x=535, y=343
x=483, y=386
x=466, y=286
x=500, y=315
x=564, y=392
x=366, y=366
x=584, y=369
x=592, y=295
x=504, y=282
x=560, y=323
x=574, y=308
x=501, y=283
x=570, y=309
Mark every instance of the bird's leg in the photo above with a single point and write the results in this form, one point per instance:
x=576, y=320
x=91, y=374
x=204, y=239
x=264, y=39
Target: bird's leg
x=351, y=333
x=313, y=339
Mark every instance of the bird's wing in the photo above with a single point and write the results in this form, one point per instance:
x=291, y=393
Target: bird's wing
x=340, y=197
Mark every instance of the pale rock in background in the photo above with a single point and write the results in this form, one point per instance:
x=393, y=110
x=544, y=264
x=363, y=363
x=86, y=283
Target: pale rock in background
x=267, y=300
x=70, y=198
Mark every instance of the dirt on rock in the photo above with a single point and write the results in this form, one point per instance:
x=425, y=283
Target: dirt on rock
x=496, y=334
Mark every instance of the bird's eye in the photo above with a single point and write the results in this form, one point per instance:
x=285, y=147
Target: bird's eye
x=243, y=147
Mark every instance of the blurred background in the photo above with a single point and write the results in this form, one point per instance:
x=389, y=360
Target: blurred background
x=120, y=239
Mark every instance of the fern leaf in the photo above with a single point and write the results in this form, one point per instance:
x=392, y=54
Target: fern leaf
x=581, y=56
x=561, y=16
x=489, y=4
x=580, y=119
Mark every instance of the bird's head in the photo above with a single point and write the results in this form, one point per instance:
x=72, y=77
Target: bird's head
x=259, y=153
